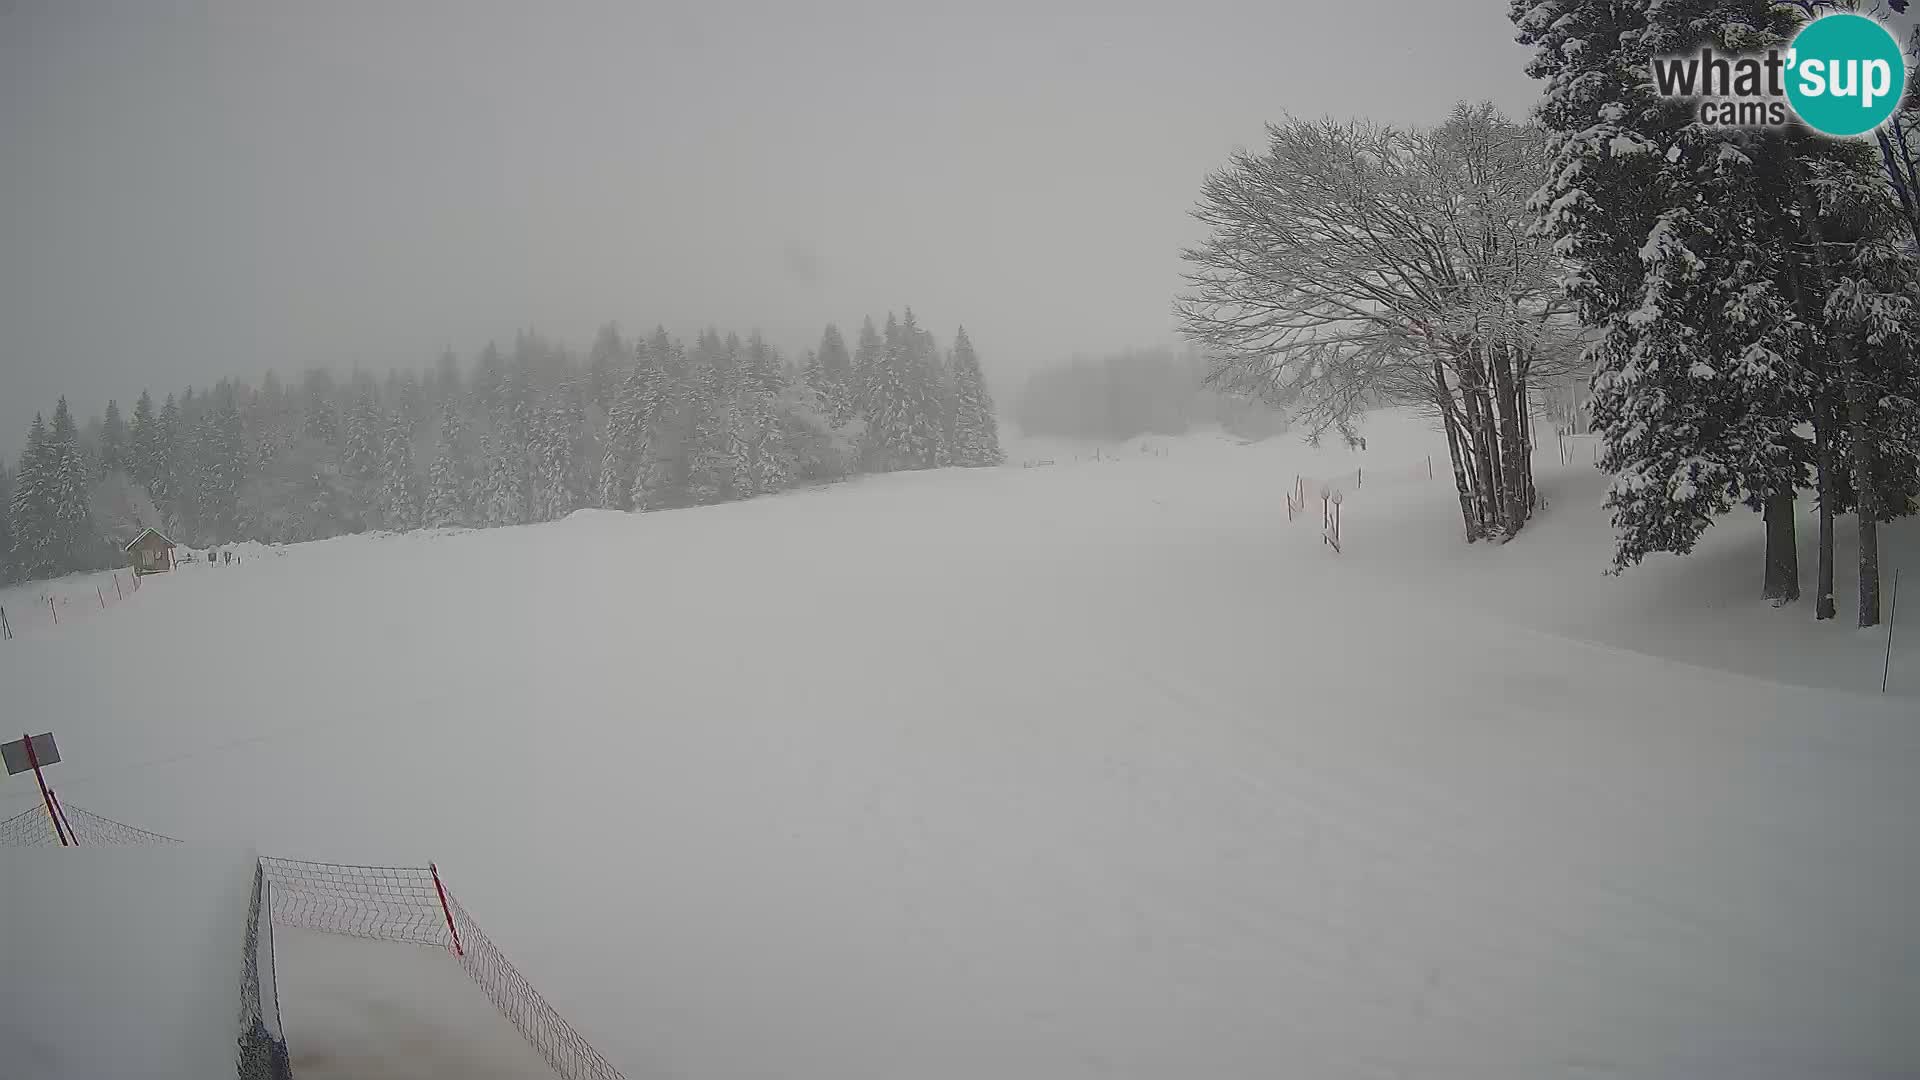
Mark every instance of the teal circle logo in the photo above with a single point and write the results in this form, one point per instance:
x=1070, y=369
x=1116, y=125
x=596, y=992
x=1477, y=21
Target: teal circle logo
x=1846, y=74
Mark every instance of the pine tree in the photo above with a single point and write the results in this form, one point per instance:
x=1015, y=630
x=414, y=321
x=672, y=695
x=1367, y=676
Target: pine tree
x=144, y=451
x=946, y=403
x=634, y=428
x=606, y=361
x=165, y=462
x=555, y=447
x=711, y=424
x=400, y=497
x=500, y=493
x=219, y=463
x=903, y=423
x=620, y=444
x=1663, y=218
x=364, y=455
x=771, y=461
x=66, y=480
x=761, y=367
x=33, y=526
x=113, y=439
x=867, y=356
x=976, y=431
x=8, y=572
x=666, y=406
x=831, y=375
x=449, y=488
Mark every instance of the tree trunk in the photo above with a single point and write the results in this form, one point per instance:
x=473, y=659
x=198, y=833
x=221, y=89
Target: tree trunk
x=1526, y=435
x=1783, y=554
x=1443, y=397
x=1514, y=456
x=1823, y=607
x=1867, y=506
x=1899, y=180
x=1472, y=388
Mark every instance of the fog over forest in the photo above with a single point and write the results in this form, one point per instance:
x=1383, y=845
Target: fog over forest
x=197, y=192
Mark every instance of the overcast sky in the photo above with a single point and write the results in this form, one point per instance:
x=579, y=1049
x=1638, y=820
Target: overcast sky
x=190, y=191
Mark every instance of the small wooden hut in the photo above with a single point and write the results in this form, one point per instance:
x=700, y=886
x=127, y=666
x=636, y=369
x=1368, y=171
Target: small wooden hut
x=150, y=552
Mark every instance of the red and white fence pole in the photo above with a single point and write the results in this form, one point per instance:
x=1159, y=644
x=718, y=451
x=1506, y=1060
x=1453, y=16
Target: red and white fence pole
x=46, y=793
x=445, y=910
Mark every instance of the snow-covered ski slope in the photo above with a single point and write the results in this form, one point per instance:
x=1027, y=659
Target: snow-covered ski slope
x=1097, y=769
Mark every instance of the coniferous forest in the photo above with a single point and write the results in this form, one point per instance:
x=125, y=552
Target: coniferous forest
x=509, y=437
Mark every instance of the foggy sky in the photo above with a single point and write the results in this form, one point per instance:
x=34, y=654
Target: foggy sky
x=191, y=191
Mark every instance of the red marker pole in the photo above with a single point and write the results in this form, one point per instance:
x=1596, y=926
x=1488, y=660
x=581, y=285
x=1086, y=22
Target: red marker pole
x=97, y=591
x=117, y=594
x=445, y=910
x=64, y=819
x=54, y=610
x=46, y=794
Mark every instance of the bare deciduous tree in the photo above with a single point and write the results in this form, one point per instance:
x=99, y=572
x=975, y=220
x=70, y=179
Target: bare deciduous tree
x=1352, y=265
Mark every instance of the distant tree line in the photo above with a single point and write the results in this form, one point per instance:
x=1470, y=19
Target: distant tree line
x=1136, y=392
x=520, y=437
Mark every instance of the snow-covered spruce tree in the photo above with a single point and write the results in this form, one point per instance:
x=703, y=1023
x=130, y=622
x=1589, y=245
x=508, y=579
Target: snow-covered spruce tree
x=165, y=463
x=145, y=452
x=946, y=402
x=65, y=480
x=9, y=573
x=499, y=496
x=33, y=531
x=867, y=356
x=400, y=496
x=1867, y=378
x=831, y=375
x=607, y=362
x=902, y=410
x=742, y=439
x=1674, y=266
x=976, y=430
x=559, y=430
x=762, y=371
x=660, y=476
x=220, y=459
x=621, y=442
x=113, y=439
x=364, y=454
x=709, y=426
x=449, y=487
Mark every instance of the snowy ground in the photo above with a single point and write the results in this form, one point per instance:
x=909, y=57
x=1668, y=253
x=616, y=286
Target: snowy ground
x=373, y=1010
x=1094, y=769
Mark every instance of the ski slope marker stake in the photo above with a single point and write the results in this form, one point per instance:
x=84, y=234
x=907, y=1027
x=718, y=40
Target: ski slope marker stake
x=25, y=754
x=445, y=910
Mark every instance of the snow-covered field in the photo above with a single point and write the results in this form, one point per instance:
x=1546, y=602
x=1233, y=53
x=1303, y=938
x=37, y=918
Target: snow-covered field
x=1096, y=769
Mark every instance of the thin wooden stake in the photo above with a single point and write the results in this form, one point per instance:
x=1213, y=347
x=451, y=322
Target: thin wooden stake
x=1892, y=610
